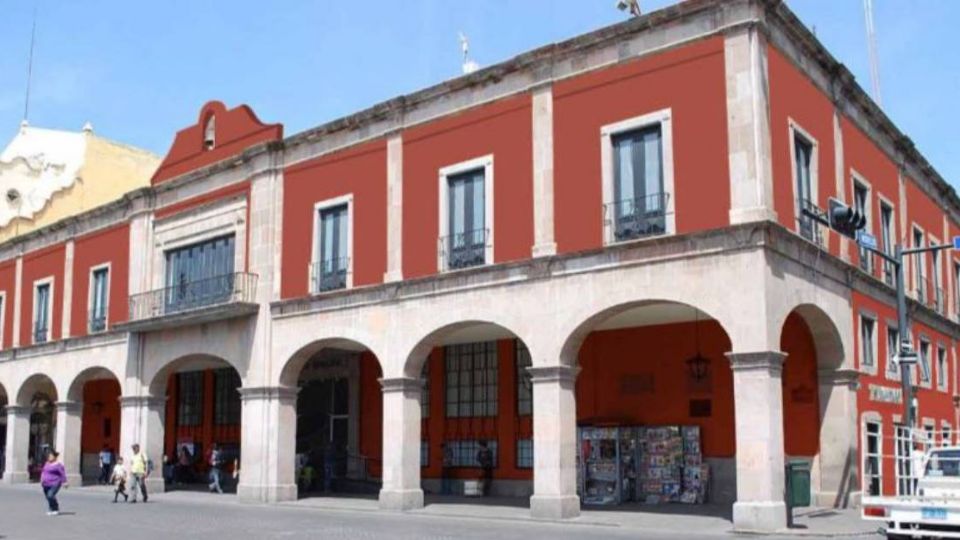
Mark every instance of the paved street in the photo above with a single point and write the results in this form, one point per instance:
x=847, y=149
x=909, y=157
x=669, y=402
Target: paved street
x=88, y=513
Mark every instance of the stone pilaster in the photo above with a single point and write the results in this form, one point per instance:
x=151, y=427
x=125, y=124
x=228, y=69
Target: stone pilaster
x=835, y=469
x=268, y=443
x=67, y=309
x=543, y=224
x=142, y=422
x=554, y=443
x=17, y=301
x=748, y=126
x=394, y=209
x=758, y=409
x=401, y=444
x=18, y=441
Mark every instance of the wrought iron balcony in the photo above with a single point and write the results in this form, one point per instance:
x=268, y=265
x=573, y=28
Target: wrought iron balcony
x=329, y=275
x=637, y=218
x=40, y=333
x=213, y=298
x=98, y=320
x=466, y=249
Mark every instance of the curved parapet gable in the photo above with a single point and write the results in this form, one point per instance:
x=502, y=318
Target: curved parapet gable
x=219, y=133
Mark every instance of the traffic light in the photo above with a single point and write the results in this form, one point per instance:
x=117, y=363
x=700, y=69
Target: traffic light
x=844, y=219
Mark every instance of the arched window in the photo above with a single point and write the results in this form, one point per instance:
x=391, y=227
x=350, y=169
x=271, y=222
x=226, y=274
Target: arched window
x=209, y=133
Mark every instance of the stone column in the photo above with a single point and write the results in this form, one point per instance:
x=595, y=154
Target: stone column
x=758, y=408
x=835, y=468
x=543, y=229
x=142, y=422
x=268, y=445
x=18, y=442
x=401, y=444
x=67, y=438
x=554, y=443
x=748, y=127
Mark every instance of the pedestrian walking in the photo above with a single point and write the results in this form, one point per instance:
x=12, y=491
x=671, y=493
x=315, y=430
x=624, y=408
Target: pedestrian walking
x=485, y=460
x=139, y=471
x=52, y=477
x=119, y=480
x=106, y=462
x=215, y=464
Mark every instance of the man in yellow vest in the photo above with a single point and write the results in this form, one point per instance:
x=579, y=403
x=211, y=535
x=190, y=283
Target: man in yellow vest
x=139, y=471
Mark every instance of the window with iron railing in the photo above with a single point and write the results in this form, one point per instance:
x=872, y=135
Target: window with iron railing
x=638, y=218
x=465, y=249
x=330, y=274
x=332, y=264
x=98, y=301
x=861, y=202
x=468, y=234
x=803, y=158
x=41, y=313
x=639, y=206
x=199, y=275
x=886, y=242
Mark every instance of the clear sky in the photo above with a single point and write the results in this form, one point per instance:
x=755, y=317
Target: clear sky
x=139, y=71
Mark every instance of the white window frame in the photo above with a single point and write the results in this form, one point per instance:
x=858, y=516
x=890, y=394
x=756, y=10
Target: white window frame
x=90, y=295
x=49, y=280
x=946, y=433
x=3, y=315
x=903, y=439
x=663, y=117
x=864, y=368
x=857, y=178
x=483, y=162
x=793, y=130
x=921, y=340
x=872, y=418
x=943, y=380
x=955, y=297
x=892, y=233
x=891, y=371
x=936, y=271
x=315, y=255
x=914, y=229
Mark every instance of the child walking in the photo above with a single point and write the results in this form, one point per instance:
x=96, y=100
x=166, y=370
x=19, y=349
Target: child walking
x=119, y=480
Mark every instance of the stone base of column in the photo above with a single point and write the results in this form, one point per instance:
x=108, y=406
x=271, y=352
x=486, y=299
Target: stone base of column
x=74, y=479
x=401, y=500
x=11, y=477
x=554, y=506
x=750, y=215
x=154, y=484
x=251, y=493
x=760, y=516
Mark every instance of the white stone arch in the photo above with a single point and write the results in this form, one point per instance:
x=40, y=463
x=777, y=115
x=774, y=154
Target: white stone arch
x=156, y=381
x=296, y=343
x=4, y=396
x=418, y=346
x=34, y=383
x=831, y=348
x=572, y=338
x=74, y=391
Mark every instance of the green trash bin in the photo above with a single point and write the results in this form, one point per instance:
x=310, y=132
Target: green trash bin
x=798, y=484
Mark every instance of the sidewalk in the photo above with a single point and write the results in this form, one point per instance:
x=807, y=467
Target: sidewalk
x=708, y=519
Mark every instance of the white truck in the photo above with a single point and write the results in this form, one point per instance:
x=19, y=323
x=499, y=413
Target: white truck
x=934, y=510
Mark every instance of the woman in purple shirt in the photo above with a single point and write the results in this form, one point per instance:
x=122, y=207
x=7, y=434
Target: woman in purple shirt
x=52, y=478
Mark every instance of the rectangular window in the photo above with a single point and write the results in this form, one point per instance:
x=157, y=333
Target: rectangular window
x=226, y=397
x=333, y=260
x=936, y=282
x=190, y=398
x=919, y=277
x=98, y=300
x=464, y=452
x=903, y=450
x=467, y=231
x=41, y=313
x=640, y=201
x=924, y=361
x=200, y=274
x=873, y=458
x=524, y=381
x=867, y=346
x=861, y=201
x=886, y=241
x=525, y=453
x=946, y=436
x=803, y=156
x=471, y=377
x=943, y=369
x=893, y=348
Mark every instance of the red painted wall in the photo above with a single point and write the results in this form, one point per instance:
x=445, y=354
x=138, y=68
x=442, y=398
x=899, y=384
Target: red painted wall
x=8, y=284
x=371, y=413
x=793, y=96
x=38, y=265
x=236, y=130
x=503, y=129
x=690, y=80
x=204, y=434
x=801, y=403
x=107, y=246
x=361, y=171
x=106, y=394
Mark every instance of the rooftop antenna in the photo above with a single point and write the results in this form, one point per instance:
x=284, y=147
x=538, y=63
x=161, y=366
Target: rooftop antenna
x=33, y=35
x=872, y=49
x=469, y=66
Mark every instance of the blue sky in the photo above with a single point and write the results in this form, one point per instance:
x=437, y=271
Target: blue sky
x=141, y=70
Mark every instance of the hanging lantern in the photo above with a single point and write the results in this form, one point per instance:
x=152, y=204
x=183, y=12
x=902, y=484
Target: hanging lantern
x=698, y=367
